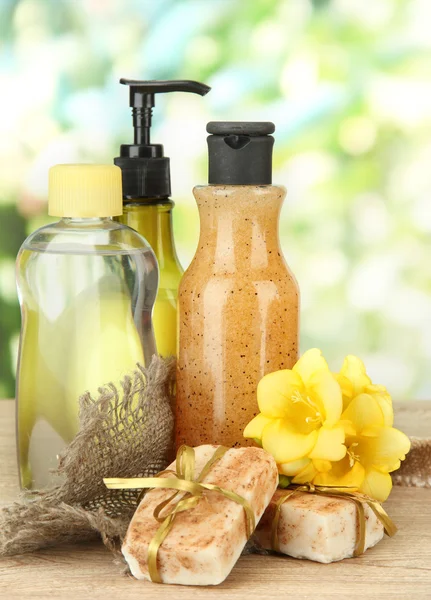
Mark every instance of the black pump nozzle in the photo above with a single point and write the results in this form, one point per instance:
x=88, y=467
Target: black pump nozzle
x=142, y=100
x=145, y=168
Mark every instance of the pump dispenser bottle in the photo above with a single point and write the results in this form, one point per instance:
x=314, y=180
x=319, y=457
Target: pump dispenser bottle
x=147, y=206
x=86, y=286
x=238, y=301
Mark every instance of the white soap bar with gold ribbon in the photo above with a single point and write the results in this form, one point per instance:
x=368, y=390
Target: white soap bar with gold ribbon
x=317, y=527
x=206, y=540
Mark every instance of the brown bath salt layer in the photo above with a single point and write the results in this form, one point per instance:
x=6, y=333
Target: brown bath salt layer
x=317, y=527
x=204, y=542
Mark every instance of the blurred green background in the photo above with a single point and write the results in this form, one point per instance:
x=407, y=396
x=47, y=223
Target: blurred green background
x=348, y=85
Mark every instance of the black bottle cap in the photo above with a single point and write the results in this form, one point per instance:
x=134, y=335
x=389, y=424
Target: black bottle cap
x=145, y=169
x=240, y=153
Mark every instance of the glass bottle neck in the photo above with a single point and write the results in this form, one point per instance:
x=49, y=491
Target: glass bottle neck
x=86, y=220
x=239, y=226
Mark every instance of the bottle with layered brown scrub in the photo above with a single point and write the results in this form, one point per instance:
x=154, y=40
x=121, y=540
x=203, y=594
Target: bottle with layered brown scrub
x=147, y=205
x=238, y=304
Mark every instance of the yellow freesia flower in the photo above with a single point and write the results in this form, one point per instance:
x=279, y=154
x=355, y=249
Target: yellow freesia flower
x=333, y=430
x=373, y=450
x=374, y=447
x=299, y=420
x=353, y=380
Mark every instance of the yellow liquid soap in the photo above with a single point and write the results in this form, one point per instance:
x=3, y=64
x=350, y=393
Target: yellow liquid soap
x=147, y=207
x=153, y=220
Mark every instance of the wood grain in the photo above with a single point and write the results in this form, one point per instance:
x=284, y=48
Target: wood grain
x=396, y=568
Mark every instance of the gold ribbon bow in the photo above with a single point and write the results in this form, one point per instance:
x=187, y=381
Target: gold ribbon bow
x=348, y=493
x=183, y=481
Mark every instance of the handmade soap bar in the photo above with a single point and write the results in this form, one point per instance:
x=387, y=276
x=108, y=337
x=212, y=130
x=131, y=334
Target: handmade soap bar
x=204, y=542
x=317, y=527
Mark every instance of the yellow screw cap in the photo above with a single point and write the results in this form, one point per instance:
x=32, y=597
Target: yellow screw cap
x=85, y=191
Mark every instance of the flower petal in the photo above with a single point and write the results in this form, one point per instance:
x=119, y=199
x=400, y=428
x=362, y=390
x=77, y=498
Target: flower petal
x=311, y=362
x=381, y=394
x=275, y=390
x=345, y=384
x=364, y=412
x=376, y=484
x=354, y=370
x=284, y=443
x=329, y=445
x=384, y=449
x=323, y=466
x=306, y=475
x=255, y=428
x=325, y=392
x=342, y=475
x=370, y=432
x=392, y=466
x=348, y=427
x=294, y=467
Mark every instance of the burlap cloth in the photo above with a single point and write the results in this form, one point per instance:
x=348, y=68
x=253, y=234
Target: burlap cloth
x=415, y=470
x=123, y=433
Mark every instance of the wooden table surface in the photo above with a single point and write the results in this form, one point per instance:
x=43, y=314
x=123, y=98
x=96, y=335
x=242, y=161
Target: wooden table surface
x=396, y=568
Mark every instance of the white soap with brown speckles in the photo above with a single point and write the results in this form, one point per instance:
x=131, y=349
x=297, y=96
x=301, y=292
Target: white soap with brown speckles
x=206, y=541
x=317, y=527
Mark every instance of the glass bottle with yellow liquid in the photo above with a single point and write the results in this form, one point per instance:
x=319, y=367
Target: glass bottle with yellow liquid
x=86, y=286
x=153, y=220
x=147, y=206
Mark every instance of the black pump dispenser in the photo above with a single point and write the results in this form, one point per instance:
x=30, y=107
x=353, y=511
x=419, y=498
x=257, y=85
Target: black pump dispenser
x=240, y=152
x=145, y=169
